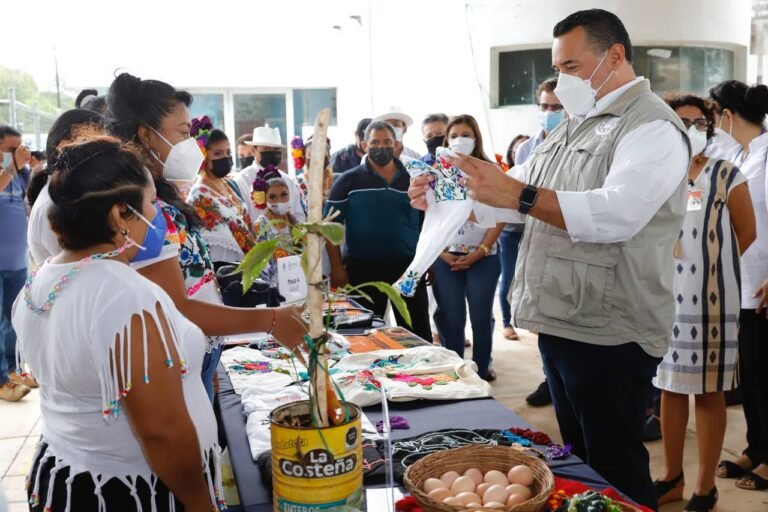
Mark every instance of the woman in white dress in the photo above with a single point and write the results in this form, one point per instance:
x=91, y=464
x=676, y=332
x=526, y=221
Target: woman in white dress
x=719, y=225
x=126, y=423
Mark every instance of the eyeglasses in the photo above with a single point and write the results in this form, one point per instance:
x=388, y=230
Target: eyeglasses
x=700, y=123
x=553, y=107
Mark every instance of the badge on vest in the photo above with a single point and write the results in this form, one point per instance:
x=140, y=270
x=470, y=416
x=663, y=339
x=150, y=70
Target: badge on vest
x=695, y=197
x=606, y=126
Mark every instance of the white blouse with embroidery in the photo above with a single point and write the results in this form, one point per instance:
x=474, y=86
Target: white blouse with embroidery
x=73, y=351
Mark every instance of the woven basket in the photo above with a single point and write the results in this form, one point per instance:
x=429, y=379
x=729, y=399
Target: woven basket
x=484, y=458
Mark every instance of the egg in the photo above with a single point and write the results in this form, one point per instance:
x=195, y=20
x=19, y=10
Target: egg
x=449, y=477
x=473, y=504
x=475, y=474
x=452, y=500
x=440, y=494
x=520, y=475
x=462, y=484
x=465, y=498
x=430, y=484
x=519, y=489
x=495, y=493
x=516, y=499
x=496, y=477
x=494, y=504
x=481, y=488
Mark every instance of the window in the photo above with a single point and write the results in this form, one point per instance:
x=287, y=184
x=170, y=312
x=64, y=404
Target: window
x=520, y=72
x=211, y=105
x=307, y=103
x=690, y=69
x=252, y=110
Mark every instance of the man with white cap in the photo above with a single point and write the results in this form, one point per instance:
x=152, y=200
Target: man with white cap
x=268, y=151
x=400, y=121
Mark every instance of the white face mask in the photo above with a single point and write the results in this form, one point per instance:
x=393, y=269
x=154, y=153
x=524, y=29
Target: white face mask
x=184, y=160
x=279, y=208
x=723, y=143
x=462, y=145
x=576, y=95
x=398, y=133
x=698, y=140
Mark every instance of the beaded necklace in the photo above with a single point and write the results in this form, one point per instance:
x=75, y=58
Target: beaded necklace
x=63, y=281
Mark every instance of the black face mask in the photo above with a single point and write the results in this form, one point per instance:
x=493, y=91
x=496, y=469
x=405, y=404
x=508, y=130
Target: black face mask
x=271, y=158
x=221, y=166
x=246, y=161
x=381, y=156
x=435, y=142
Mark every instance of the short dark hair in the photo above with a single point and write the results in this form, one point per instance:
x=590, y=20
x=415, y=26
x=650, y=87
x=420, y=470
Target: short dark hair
x=547, y=85
x=675, y=100
x=362, y=125
x=8, y=131
x=132, y=103
x=216, y=135
x=751, y=103
x=603, y=28
x=435, y=118
x=90, y=176
x=246, y=137
x=379, y=125
x=37, y=155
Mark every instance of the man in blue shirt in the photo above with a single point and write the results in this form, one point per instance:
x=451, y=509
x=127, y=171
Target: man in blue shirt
x=14, y=178
x=433, y=130
x=348, y=158
x=551, y=113
x=382, y=229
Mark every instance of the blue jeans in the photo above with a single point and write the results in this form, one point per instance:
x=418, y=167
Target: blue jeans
x=11, y=283
x=509, y=241
x=210, y=363
x=453, y=290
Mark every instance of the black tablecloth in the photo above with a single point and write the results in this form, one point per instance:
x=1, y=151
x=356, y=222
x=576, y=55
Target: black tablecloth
x=422, y=415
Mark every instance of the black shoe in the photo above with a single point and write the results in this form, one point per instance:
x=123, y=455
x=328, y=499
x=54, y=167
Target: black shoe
x=651, y=429
x=490, y=376
x=540, y=397
x=705, y=503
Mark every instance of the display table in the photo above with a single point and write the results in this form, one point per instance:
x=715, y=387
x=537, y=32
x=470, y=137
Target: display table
x=423, y=416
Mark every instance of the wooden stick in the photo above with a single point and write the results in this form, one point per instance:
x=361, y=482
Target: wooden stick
x=315, y=245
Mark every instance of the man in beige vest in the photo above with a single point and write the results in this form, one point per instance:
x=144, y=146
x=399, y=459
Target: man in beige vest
x=605, y=199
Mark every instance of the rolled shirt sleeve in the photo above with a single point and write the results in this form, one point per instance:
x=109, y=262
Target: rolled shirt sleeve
x=648, y=165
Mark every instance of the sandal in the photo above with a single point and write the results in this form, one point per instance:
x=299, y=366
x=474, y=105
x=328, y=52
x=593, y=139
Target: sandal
x=510, y=333
x=702, y=503
x=733, y=470
x=752, y=482
x=668, y=491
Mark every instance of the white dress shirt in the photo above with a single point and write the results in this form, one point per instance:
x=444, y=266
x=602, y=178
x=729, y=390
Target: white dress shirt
x=754, y=262
x=244, y=180
x=42, y=241
x=648, y=165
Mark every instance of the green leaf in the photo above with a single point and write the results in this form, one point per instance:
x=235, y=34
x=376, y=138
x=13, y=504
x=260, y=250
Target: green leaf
x=255, y=261
x=331, y=231
x=394, y=297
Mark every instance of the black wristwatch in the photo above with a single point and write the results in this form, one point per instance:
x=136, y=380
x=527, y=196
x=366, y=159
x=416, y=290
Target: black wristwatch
x=527, y=198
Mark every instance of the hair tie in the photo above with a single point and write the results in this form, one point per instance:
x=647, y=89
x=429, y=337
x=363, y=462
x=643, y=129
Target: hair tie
x=297, y=152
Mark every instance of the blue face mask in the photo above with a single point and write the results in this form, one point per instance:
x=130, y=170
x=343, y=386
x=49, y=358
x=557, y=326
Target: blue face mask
x=7, y=159
x=152, y=245
x=549, y=119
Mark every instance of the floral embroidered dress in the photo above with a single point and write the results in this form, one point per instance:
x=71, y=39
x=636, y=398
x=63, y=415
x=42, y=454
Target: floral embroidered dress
x=228, y=231
x=266, y=229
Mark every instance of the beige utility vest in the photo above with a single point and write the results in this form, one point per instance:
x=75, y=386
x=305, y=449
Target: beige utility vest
x=599, y=293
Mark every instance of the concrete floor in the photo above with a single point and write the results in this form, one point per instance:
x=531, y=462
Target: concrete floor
x=519, y=372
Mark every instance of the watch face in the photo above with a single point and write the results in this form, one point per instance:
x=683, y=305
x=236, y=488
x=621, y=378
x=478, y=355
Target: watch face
x=528, y=196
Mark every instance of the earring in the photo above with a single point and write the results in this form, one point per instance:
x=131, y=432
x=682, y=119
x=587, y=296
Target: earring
x=125, y=232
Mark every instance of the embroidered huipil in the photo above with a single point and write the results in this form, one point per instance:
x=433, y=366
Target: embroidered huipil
x=73, y=351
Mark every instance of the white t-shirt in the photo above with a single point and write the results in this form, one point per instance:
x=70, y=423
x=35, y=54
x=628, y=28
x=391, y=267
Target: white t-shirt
x=43, y=242
x=71, y=351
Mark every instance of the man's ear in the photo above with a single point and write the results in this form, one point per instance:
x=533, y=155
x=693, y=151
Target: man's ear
x=364, y=145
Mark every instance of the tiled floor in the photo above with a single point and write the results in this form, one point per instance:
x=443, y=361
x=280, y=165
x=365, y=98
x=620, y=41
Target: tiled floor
x=519, y=371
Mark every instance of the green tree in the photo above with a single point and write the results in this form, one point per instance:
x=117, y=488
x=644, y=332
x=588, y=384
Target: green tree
x=27, y=91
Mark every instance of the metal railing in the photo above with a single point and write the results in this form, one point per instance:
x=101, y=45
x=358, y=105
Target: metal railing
x=33, y=123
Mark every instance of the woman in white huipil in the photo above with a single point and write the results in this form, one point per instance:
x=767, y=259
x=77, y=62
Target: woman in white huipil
x=125, y=417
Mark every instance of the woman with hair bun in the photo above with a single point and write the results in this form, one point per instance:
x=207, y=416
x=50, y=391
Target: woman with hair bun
x=741, y=111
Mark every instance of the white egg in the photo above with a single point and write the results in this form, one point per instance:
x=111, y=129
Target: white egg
x=516, y=499
x=452, y=500
x=475, y=474
x=473, y=504
x=520, y=475
x=430, y=484
x=495, y=493
x=449, y=477
x=494, y=504
x=481, y=488
x=440, y=494
x=465, y=498
x=519, y=489
x=462, y=484
x=496, y=477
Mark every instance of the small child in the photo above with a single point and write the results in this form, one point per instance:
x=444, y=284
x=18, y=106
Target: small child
x=275, y=223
